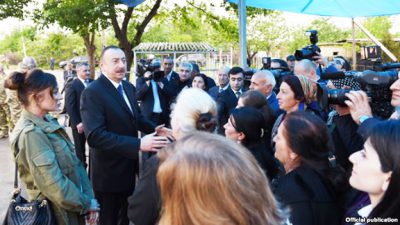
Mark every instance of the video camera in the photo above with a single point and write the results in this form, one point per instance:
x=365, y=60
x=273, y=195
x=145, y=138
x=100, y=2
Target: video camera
x=150, y=66
x=309, y=51
x=375, y=83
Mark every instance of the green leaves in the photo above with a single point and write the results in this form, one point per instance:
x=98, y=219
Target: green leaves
x=12, y=8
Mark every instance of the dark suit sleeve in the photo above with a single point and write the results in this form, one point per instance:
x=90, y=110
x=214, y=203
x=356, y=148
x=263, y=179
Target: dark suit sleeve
x=141, y=88
x=366, y=127
x=71, y=105
x=145, y=203
x=97, y=134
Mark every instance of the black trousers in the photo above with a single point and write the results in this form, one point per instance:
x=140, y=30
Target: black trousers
x=113, y=208
x=80, y=141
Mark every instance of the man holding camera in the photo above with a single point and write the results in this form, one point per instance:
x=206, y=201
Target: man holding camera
x=150, y=91
x=361, y=112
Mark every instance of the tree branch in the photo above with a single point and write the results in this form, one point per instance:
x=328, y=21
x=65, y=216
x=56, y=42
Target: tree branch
x=127, y=17
x=114, y=21
x=140, y=27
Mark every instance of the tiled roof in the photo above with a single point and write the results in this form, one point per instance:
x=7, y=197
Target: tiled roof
x=174, y=47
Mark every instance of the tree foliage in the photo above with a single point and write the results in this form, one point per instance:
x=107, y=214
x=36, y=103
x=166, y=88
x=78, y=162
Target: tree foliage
x=12, y=8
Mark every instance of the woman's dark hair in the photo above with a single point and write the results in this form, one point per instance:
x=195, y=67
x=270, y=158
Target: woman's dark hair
x=385, y=139
x=346, y=65
x=307, y=136
x=257, y=100
x=30, y=82
x=206, y=122
x=204, y=77
x=295, y=85
x=249, y=121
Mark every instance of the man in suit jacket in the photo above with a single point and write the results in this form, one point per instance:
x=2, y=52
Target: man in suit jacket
x=154, y=98
x=264, y=82
x=223, y=82
x=228, y=99
x=72, y=105
x=168, y=65
x=111, y=119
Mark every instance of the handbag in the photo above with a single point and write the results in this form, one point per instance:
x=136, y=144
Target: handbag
x=22, y=212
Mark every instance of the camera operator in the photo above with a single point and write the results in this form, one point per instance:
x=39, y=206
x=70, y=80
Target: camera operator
x=344, y=132
x=153, y=95
x=361, y=111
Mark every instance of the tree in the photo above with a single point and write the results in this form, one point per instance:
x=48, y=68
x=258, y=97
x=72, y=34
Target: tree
x=380, y=28
x=149, y=9
x=12, y=8
x=327, y=32
x=83, y=17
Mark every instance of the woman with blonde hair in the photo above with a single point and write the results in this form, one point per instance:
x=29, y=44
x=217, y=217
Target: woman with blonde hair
x=209, y=180
x=194, y=110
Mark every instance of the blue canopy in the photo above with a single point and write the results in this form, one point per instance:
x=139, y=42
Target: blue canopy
x=339, y=8
x=130, y=3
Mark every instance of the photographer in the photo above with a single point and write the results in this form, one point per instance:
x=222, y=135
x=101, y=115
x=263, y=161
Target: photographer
x=361, y=111
x=153, y=95
x=344, y=133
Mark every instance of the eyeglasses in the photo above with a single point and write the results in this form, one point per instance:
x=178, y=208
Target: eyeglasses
x=187, y=71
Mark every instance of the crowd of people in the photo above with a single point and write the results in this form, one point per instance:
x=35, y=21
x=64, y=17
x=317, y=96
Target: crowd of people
x=181, y=148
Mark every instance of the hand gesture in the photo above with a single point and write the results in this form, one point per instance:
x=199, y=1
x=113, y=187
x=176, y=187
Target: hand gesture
x=358, y=105
x=153, y=143
x=161, y=130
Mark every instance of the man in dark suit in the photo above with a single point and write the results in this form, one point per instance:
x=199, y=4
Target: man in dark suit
x=111, y=119
x=228, y=99
x=72, y=105
x=223, y=82
x=264, y=82
x=168, y=65
x=153, y=98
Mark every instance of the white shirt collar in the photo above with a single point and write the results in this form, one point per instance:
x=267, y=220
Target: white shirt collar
x=365, y=211
x=82, y=80
x=226, y=87
x=113, y=82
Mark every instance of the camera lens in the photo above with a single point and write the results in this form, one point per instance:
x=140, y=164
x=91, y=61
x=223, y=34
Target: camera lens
x=337, y=96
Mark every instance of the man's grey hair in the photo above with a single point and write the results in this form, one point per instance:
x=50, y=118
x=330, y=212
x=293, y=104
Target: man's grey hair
x=186, y=65
x=308, y=66
x=81, y=64
x=27, y=63
x=225, y=69
x=267, y=75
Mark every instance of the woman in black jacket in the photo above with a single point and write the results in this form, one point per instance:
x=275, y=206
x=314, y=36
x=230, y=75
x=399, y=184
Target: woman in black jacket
x=194, y=110
x=312, y=181
x=246, y=125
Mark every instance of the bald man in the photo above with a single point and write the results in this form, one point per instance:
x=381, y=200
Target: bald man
x=223, y=82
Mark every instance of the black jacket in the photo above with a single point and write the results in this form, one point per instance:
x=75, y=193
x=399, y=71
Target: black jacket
x=226, y=102
x=264, y=158
x=73, y=101
x=345, y=138
x=310, y=200
x=145, y=203
x=111, y=130
x=144, y=93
